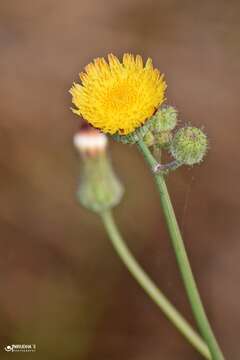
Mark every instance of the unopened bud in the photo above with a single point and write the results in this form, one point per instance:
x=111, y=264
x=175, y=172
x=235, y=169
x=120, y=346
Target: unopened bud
x=99, y=188
x=164, y=139
x=149, y=139
x=189, y=145
x=165, y=119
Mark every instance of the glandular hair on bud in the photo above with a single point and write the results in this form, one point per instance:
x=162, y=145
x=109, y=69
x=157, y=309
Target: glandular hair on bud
x=165, y=119
x=99, y=188
x=189, y=145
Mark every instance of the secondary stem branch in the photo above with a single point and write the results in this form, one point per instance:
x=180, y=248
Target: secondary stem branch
x=150, y=288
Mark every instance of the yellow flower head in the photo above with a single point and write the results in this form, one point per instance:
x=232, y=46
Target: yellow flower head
x=118, y=97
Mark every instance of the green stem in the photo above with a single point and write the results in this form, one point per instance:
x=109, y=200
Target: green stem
x=182, y=259
x=150, y=288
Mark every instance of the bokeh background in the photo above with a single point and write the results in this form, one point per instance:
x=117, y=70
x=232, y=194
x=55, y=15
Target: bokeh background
x=61, y=285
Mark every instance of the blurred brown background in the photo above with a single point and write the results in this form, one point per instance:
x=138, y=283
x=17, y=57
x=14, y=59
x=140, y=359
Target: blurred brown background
x=61, y=285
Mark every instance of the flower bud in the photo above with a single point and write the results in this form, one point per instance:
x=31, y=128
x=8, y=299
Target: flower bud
x=189, y=145
x=149, y=139
x=165, y=119
x=99, y=188
x=164, y=139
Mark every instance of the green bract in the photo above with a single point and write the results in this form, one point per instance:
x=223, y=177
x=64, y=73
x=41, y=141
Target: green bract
x=136, y=135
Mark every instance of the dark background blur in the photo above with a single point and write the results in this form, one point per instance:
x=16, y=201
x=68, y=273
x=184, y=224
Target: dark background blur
x=61, y=285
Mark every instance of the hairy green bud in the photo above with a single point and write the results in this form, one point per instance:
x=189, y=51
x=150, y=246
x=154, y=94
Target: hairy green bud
x=165, y=119
x=189, y=145
x=163, y=139
x=149, y=139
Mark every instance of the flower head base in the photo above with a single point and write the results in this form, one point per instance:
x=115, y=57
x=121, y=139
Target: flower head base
x=118, y=97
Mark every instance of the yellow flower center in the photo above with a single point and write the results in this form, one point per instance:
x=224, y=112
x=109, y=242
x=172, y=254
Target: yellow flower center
x=118, y=97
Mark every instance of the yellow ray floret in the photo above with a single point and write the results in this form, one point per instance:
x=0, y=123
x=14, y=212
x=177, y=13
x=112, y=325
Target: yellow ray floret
x=118, y=97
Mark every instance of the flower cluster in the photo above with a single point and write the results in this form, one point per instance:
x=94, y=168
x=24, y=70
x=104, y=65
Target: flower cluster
x=125, y=99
